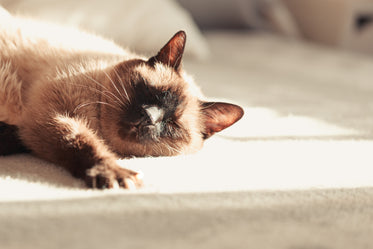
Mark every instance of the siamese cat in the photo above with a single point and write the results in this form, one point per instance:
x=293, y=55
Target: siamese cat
x=82, y=102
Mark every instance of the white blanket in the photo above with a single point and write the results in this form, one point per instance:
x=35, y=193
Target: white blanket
x=295, y=172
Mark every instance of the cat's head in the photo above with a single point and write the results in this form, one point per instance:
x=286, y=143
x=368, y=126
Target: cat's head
x=157, y=112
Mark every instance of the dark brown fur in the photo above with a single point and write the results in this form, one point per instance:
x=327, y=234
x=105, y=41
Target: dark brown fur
x=10, y=141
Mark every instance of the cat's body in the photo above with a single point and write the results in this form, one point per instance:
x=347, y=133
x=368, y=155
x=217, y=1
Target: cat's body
x=82, y=102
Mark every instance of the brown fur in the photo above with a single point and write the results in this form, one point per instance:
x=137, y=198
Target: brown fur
x=84, y=105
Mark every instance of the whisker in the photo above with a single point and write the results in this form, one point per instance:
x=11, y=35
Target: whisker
x=175, y=149
x=121, y=102
x=116, y=88
x=95, y=81
x=169, y=57
x=118, y=101
x=121, y=83
x=158, y=149
x=97, y=91
x=208, y=106
x=95, y=102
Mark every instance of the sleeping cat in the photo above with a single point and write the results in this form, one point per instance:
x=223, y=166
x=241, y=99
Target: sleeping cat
x=82, y=102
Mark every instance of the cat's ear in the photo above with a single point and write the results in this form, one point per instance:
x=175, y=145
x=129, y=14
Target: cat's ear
x=172, y=52
x=218, y=115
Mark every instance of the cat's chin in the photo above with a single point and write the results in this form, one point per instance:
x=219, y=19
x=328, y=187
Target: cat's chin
x=142, y=142
x=147, y=150
x=141, y=135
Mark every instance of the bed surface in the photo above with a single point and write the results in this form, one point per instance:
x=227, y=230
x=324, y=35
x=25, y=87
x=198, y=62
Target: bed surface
x=295, y=172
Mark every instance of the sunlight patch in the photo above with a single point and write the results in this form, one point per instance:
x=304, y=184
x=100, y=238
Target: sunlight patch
x=261, y=122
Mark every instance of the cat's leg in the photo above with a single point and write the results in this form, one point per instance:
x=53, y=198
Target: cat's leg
x=10, y=142
x=69, y=142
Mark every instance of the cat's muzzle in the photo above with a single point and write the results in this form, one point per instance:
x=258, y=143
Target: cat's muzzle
x=149, y=126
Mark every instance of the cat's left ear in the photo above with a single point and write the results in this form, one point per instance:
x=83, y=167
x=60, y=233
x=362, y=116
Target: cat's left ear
x=172, y=52
x=218, y=115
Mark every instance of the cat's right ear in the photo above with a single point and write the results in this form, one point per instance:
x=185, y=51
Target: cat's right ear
x=218, y=115
x=171, y=53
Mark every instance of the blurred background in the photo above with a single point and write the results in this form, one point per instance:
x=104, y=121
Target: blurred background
x=346, y=24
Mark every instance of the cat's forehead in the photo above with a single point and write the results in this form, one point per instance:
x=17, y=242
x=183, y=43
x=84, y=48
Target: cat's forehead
x=160, y=75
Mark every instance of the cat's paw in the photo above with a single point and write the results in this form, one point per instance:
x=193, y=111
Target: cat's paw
x=107, y=176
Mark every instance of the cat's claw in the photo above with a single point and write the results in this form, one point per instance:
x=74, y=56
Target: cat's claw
x=103, y=176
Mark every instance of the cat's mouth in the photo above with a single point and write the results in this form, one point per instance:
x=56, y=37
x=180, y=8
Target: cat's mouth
x=149, y=133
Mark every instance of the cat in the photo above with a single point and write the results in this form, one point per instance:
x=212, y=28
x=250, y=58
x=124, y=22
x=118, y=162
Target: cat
x=82, y=102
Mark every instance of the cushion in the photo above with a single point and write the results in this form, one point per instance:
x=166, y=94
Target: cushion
x=142, y=25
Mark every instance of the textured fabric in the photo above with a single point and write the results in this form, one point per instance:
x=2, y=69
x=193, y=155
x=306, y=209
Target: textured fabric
x=285, y=220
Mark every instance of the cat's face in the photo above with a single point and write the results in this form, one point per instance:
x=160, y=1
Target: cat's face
x=156, y=111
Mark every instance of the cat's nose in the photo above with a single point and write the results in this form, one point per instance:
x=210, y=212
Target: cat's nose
x=154, y=114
